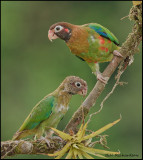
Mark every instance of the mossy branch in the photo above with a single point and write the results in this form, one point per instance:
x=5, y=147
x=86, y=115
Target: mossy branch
x=11, y=148
x=129, y=47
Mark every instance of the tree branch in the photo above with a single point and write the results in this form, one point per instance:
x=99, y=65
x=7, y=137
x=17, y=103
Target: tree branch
x=129, y=47
x=10, y=148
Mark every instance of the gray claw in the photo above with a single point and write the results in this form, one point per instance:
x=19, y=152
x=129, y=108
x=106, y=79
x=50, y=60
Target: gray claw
x=117, y=53
x=101, y=78
x=48, y=142
x=57, y=138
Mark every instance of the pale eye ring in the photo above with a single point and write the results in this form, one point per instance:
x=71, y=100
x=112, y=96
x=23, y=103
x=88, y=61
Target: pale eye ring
x=78, y=84
x=58, y=28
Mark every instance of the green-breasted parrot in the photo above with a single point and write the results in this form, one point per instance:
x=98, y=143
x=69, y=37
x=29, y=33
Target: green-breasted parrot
x=51, y=109
x=91, y=42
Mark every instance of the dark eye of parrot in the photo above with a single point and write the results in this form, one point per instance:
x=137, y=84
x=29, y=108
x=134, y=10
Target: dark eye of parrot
x=78, y=84
x=58, y=28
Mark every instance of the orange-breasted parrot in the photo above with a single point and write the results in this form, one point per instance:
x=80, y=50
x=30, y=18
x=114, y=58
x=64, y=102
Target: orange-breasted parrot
x=91, y=42
x=51, y=109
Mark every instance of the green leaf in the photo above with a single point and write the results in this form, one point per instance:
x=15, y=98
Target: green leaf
x=87, y=155
x=63, y=151
x=75, y=153
x=63, y=135
x=70, y=153
x=101, y=130
x=80, y=155
x=94, y=151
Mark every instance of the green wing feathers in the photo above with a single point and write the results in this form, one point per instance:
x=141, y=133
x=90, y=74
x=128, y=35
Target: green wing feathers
x=39, y=113
x=102, y=31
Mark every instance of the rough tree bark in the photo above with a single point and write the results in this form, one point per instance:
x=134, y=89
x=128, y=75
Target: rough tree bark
x=129, y=47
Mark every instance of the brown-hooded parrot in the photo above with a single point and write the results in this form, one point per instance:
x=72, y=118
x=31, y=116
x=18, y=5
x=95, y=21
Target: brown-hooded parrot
x=51, y=109
x=91, y=42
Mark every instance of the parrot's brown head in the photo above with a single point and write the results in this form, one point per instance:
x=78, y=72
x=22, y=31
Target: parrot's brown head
x=62, y=30
x=74, y=85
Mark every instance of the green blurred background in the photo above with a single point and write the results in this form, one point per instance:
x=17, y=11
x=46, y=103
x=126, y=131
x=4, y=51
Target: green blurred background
x=32, y=67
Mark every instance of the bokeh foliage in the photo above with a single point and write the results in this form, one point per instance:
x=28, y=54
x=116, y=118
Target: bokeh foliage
x=32, y=67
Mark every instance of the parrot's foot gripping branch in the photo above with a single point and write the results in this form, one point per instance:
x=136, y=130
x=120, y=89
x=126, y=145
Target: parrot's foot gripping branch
x=47, y=140
x=117, y=53
x=57, y=138
x=101, y=78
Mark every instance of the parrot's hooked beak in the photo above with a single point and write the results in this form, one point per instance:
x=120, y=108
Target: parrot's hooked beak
x=52, y=35
x=83, y=92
